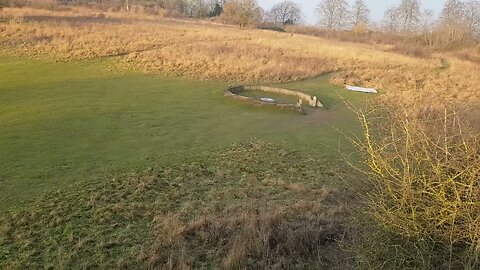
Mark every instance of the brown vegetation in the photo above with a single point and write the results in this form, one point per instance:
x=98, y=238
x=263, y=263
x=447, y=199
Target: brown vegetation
x=218, y=52
x=241, y=12
x=285, y=238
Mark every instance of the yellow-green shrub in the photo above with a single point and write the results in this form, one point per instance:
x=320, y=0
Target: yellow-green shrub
x=424, y=184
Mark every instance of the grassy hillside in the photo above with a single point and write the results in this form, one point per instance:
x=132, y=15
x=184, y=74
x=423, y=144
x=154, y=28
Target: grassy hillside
x=207, y=51
x=68, y=122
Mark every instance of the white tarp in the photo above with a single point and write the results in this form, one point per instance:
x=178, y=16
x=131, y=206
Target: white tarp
x=361, y=89
x=269, y=100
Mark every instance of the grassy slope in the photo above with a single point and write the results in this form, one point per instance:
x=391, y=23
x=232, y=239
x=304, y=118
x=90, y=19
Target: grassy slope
x=206, y=51
x=249, y=206
x=69, y=122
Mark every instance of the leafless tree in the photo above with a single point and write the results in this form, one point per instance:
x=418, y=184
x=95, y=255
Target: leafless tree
x=405, y=17
x=333, y=13
x=188, y=8
x=409, y=11
x=172, y=6
x=427, y=26
x=391, y=20
x=460, y=20
x=472, y=17
x=360, y=13
x=286, y=12
x=427, y=20
x=452, y=11
x=195, y=8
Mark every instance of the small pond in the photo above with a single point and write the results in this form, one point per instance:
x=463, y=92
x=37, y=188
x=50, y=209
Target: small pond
x=279, y=98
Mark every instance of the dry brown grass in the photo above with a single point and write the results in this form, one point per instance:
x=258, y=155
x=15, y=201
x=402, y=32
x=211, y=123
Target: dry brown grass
x=305, y=233
x=470, y=54
x=359, y=35
x=210, y=51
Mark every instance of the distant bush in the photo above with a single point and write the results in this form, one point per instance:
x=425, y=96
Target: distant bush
x=360, y=34
x=412, y=50
x=245, y=13
x=16, y=3
x=271, y=26
x=470, y=54
x=42, y=4
x=361, y=28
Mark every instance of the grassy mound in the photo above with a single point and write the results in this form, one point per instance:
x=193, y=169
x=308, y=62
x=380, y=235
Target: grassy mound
x=251, y=205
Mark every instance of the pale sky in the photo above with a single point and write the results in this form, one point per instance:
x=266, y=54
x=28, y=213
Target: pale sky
x=377, y=7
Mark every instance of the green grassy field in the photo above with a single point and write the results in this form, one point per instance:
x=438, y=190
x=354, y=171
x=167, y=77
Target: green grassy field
x=250, y=205
x=66, y=122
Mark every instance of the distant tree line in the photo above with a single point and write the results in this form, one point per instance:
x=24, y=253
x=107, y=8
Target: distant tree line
x=459, y=20
x=241, y=12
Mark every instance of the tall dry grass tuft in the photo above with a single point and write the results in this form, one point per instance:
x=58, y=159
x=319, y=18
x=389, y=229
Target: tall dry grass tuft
x=253, y=237
x=424, y=185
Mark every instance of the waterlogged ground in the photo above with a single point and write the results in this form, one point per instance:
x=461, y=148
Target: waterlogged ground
x=68, y=122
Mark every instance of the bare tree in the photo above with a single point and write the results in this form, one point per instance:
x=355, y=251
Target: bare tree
x=333, y=13
x=195, y=8
x=472, y=17
x=360, y=13
x=427, y=20
x=405, y=17
x=174, y=7
x=391, y=20
x=459, y=21
x=286, y=12
x=427, y=26
x=452, y=11
x=450, y=20
x=409, y=11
